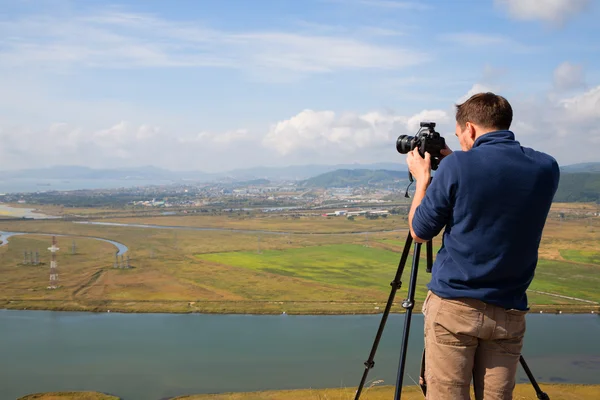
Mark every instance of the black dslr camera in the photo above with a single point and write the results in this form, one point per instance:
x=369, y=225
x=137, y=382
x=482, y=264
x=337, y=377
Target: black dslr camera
x=427, y=140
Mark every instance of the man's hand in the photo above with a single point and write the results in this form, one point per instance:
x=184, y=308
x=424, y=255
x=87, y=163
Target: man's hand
x=445, y=152
x=419, y=167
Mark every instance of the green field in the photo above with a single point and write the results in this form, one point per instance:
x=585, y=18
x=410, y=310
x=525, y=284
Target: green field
x=321, y=266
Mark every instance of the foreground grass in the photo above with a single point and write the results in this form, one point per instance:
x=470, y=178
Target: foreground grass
x=69, y=396
x=522, y=392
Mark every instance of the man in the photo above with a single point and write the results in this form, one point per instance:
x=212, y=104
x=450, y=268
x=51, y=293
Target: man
x=493, y=198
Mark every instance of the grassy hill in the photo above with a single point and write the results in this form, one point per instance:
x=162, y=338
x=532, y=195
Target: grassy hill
x=578, y=187
x=356, y=177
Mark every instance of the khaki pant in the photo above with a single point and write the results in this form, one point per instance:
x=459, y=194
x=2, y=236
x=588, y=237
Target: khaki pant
x=468, y=339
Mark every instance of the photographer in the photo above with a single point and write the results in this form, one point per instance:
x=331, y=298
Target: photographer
x=493, y=199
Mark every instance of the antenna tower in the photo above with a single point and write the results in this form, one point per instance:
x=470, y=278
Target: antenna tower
x=53, y=271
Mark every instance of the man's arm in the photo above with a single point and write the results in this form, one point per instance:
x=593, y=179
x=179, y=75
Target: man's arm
x=420, y=190
x=433, y=200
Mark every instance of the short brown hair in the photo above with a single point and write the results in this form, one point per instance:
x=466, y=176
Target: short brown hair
x=487, y=110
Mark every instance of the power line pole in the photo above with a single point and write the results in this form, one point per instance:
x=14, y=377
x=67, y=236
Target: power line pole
x=53, y=270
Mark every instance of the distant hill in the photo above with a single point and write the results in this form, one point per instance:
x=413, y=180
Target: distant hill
x=355, y=177
x=582, y=167
x=76, y=172
x=300, y=172
x=578, y=187
x=295, y=172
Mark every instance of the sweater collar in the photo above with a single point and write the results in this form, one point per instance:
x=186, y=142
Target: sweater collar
x=494, y=137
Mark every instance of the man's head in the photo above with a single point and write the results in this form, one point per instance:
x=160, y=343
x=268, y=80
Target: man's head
x=480, y=114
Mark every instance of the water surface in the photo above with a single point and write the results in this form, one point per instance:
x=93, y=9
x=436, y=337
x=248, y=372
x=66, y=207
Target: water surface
x=154, y=356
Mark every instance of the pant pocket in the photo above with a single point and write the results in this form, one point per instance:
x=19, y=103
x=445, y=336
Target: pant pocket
x=424, y=307
x=456, y=324
x=516, y=324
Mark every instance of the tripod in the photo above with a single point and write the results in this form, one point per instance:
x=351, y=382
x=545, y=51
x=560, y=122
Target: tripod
x=408, y=304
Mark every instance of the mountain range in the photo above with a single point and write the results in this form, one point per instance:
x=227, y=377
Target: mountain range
x=151, y=173
x=295, y=172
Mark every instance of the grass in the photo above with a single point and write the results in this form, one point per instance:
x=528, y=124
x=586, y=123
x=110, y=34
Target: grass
x=580, y=256
x=235, y=272
x=69, y=396
x=522, y=392
x=278, y=223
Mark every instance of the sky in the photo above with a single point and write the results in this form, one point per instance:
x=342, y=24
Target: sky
x=217, y=85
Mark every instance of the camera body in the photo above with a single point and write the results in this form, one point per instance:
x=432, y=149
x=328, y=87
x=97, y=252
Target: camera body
x=426, y=140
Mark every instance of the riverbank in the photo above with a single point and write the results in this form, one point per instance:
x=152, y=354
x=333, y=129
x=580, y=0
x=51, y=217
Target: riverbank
x=249, y=307
x=524, y=391
x=69, y=396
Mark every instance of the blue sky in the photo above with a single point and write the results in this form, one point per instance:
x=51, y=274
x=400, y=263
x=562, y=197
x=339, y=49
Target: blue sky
x=216, y=85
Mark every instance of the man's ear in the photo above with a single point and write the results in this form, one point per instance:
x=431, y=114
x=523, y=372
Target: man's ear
x=471, y=131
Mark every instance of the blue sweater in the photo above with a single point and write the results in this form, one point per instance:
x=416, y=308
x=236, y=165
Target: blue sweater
x=493, y=200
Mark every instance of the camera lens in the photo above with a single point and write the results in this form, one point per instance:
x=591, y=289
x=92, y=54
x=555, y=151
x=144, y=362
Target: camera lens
x=404, y=144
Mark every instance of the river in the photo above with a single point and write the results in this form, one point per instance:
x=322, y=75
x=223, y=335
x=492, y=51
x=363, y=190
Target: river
x=156, y=356
x=4, y=236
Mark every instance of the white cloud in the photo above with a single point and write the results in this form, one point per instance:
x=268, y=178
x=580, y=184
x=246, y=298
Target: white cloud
x=391, y=4
x=584, y=108
x=386, y=4
x=553, y=11
x=567, y=128
x=350, y=135
x=122, y=40
x=476, y=39
x=125, y=144
x=547, y=125
x=224, y=138
x=568, y=76
x=476, y=88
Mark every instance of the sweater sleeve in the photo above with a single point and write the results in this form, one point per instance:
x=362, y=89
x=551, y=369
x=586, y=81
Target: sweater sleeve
x=435, y=209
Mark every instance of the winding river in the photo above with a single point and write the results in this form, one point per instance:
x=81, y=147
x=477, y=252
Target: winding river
x=4, y=236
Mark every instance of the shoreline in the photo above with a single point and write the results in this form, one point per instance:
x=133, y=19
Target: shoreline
x=298, y=308
x=557, y=391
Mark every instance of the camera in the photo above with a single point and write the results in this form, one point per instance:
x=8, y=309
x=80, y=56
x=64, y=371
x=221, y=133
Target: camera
x=426, y=140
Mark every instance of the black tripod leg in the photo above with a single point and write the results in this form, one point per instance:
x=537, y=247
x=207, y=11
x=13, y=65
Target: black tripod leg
x=429, y=256
x=396, y=284
x=408, y=304
x=540, y=395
